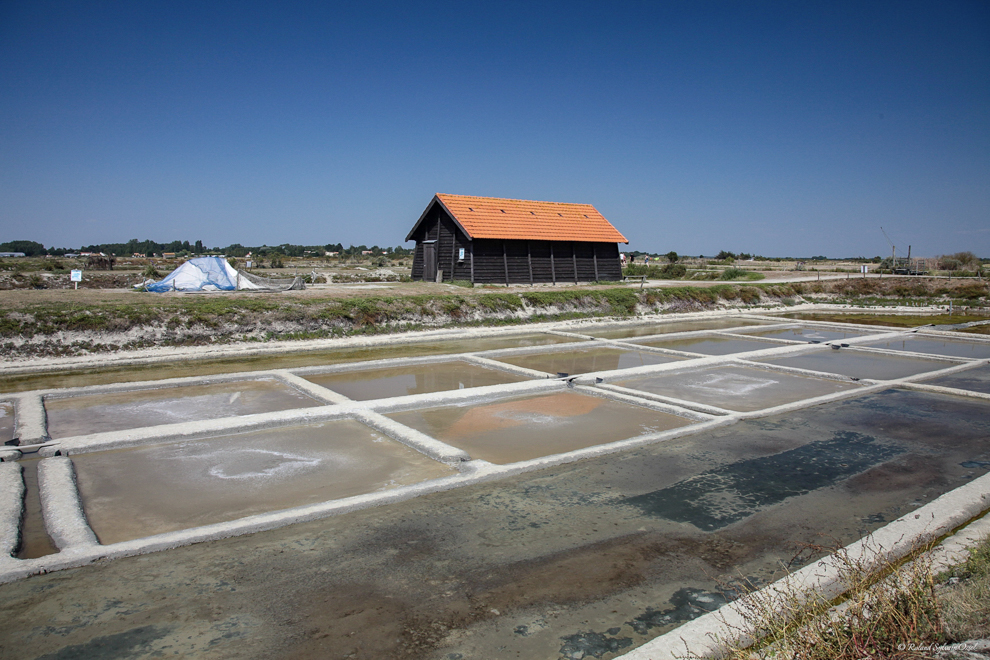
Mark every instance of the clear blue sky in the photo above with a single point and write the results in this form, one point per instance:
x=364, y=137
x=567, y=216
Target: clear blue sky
x=780, y=128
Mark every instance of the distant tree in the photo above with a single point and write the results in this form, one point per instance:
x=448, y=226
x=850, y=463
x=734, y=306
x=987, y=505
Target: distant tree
x=29, y=248
x=725, y=256
x=672, y=257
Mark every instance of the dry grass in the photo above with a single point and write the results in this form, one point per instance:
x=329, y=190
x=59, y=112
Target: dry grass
x=966, y=601
x=890, y=612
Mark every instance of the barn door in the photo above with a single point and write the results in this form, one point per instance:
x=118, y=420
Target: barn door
x=429, y=261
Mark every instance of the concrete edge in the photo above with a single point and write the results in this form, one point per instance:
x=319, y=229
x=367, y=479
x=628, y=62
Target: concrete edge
x=474, y=472
x=504, y=367
x=61, y=507
x=435, y=449
x=708, y=635
x=711, y=411
x=311, y=389
x=30, y=420
x=644, y=402
x=11, y=504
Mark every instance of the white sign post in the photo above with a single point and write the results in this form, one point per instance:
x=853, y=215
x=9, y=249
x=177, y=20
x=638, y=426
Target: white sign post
x=76, y=277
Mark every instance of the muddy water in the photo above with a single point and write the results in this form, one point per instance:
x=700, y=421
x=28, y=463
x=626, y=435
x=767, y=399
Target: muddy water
x=6, y=422
x=810, y=334
x=519, y=429
x=666, y=328
x=856, y=364
x=974, y=380
x=713, y=345
x=418, y=379
x=98, y=413
x=736, y=388
x=132, y=493
x=590, y=558
x=183, y=368
x=35, y=541
x=952, y=348
x=586, y=361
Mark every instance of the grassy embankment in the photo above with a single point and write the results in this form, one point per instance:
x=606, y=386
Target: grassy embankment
x=66, y=327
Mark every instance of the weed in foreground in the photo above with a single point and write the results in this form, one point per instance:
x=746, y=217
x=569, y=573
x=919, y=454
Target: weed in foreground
x=887, y=611
x=966, y=603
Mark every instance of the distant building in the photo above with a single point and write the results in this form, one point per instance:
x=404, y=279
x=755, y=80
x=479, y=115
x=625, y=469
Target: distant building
x=489, y=240
x=12, y=254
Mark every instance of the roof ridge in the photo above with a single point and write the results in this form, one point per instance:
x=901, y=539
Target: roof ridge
x=512, y=199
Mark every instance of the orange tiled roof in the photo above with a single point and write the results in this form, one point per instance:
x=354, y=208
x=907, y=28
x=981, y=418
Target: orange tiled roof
x=492, y=217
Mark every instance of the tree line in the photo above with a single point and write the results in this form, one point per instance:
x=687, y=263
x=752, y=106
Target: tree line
x=185, y=248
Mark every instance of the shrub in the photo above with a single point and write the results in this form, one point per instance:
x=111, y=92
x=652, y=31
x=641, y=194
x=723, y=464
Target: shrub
x=732, y=274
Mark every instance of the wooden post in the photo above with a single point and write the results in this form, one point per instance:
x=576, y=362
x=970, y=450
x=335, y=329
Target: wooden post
x=472, y=261
x=505, y=262
x=529, y=258
x=594, y=255
x=574, y=259
x=553, y=269
x=453, y=254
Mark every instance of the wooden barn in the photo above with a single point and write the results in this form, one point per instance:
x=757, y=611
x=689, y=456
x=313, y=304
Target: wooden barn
x=487, y=240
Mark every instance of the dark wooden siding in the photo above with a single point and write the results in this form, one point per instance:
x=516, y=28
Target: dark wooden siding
x=513, y=262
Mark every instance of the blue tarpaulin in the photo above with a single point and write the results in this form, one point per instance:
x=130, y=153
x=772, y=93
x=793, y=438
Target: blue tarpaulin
x=199, y=274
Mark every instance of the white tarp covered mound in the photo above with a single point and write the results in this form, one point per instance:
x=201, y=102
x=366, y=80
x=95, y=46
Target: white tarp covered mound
x=203, y=274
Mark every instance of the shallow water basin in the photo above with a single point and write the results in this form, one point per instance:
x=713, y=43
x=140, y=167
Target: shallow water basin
x=736, y=388
x=416, y=379
x=974, y=380
x=183, y=368
x=933, y=346
x=519, y=429
x=666, y=328
x=713, y=345
x=35, y=541
x=588, y=360
x=809, y=334
x=133, y=493
x=6, y=422
x=98, y=413
x=856, y=364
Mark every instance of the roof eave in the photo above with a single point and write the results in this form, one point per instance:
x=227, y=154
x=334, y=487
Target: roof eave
x=454, y=218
